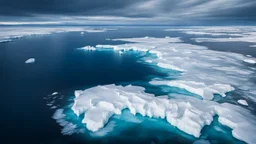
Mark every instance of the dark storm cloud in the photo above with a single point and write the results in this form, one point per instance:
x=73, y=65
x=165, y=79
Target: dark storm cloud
x=154, y=11
x=63, y=7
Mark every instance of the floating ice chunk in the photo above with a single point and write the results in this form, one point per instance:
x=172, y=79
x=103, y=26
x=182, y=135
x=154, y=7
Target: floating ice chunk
x=30, y=60
x=89, y=48
x=82, y=33
x=242, y=102
x=188, y=114
x=252, y=45
x=251, y=61
x=54, y=93
x=205, y=91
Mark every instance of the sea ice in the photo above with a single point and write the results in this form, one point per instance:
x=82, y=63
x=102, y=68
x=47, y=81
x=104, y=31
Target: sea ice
x=89, y=48
x=251, y=61
x=242, y=102
x=30, y=60
x=205, y=91
x=195, y=63
x=54, y=93
x=100, y=103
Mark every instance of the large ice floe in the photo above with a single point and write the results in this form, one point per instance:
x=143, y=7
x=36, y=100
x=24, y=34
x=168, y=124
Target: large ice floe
x=208, y=70
x=100, y=103
x=203, y=72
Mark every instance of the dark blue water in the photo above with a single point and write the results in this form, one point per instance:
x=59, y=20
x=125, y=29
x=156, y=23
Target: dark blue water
x=61, y=67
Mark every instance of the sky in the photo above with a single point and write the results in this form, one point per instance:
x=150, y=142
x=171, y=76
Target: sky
x=128, y=12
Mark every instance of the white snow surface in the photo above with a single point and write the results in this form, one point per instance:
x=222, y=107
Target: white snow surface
x=30, y=60
x=88, y=48
x=100, y=103
x=206, y=92
x=197, y=64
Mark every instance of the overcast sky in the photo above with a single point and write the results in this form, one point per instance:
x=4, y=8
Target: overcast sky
x=157, y=12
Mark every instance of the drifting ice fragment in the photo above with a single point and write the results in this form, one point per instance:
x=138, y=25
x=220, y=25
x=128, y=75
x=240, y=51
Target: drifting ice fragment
x=31, y=60
x=55, y=93
x=89, y=48
x=242, y=102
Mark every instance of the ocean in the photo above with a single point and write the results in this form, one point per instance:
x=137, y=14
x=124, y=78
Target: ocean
x=27, y=104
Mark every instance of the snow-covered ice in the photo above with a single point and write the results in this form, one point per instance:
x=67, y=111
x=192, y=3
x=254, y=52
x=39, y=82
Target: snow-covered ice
x=30, y=60
x=251, y=60
x=100, y=103
x=89, y=48
x=206, y=92
x=54, y=93
x=195, y=63
x=242, y=102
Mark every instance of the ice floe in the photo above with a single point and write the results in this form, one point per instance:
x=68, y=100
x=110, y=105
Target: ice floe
x=30, y=60
x=242, y=102
x=195, y=63
x=251, y=61
x=202, y=71
x=206, y=92
x=54, y=93
x=100, y=103
x=89, y=48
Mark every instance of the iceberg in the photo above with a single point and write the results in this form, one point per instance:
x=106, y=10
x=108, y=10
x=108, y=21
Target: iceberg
x=30, y=60
x=98, y=104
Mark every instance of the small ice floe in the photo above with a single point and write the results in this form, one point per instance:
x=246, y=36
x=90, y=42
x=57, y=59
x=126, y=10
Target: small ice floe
x=242, y=102
x=82, y=33
x=251, y=61
x=230, y=38
x=89, y=48
x=248, y=55
x=167, y=37
x=55, y=93
x=30, y=60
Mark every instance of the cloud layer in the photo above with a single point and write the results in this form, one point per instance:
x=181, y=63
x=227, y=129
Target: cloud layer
x=131, y=12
